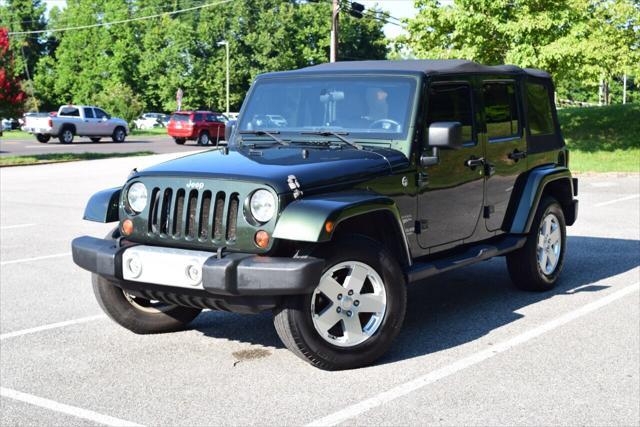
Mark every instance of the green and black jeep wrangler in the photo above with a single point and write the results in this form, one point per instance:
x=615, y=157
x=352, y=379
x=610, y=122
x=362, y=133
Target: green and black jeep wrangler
x=342, y=184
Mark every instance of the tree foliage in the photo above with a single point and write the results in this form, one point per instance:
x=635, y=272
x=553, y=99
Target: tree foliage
x=155, y=57
x=576, y=40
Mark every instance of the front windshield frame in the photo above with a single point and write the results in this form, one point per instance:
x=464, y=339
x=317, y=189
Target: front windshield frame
x=401, y=142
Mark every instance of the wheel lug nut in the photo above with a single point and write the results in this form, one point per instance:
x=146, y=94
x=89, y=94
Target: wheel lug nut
x=339, y=310
x=339, y=296
x=351, y=292
x=356, y=303
x=349, y=313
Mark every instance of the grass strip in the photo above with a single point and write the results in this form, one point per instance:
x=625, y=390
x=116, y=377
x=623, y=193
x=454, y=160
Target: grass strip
x=38, y=159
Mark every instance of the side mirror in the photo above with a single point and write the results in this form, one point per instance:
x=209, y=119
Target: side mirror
x=228, y=129
x=446, y=135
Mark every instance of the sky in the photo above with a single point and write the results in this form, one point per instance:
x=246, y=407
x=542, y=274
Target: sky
x=396, y=8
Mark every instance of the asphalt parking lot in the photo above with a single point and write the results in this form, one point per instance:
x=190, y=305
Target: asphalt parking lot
x=473, y=351
x=159, y=144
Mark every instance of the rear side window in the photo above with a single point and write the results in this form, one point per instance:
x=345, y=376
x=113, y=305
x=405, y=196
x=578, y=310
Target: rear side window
x=452, y=102
x=88, y=113
x=539, y=114
x=180, y=117
x=70, y=112
x=501, y=110
x=197, y=118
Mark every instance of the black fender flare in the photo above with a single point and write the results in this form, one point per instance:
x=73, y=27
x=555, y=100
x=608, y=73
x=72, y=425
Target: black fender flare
x=103, y=206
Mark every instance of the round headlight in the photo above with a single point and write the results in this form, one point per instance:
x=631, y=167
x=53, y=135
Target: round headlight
x=263, y=205
x=137, y=197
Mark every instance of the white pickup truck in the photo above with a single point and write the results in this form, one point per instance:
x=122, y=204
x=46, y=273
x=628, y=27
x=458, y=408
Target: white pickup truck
x=81, y=120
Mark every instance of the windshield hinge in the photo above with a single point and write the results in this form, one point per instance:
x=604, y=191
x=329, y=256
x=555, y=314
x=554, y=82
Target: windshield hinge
x=294, y=185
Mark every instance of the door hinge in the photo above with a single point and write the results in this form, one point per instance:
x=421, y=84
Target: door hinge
x=488, y=210
x=422, y=224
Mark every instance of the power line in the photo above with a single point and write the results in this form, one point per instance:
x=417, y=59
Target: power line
x=122, y=21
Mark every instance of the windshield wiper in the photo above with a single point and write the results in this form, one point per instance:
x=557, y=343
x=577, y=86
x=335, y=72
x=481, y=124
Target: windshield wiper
x=270, y=133
x=338, y=135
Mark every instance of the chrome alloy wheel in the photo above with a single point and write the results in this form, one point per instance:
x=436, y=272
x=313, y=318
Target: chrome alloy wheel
x=148, y=306
x=349, y=304
x=67, y=136
x=549, y=244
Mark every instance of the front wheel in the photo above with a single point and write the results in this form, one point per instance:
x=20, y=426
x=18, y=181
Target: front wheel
x=353, y=314
x=537, y=265
x=119, y=134
x=203, y=138
x=140, y=315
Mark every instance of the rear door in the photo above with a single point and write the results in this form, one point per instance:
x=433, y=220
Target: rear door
x=90, y=126
x=505, y=146
x=451, y=193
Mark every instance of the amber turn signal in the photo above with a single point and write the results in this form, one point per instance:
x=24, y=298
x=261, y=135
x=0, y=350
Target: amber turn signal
x=262, y=239
x=127, y=227
x=328, y=226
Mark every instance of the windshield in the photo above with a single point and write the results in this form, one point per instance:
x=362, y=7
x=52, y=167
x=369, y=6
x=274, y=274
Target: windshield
x=370, y=109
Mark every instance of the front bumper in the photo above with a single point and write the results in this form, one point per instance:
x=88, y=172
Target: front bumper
x=231, y=274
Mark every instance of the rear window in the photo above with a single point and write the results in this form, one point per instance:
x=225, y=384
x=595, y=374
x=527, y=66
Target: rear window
x=70, y=111
x=539, y=114
x=180, y=117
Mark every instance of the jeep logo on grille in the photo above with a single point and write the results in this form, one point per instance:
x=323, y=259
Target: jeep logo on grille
x=195, y=185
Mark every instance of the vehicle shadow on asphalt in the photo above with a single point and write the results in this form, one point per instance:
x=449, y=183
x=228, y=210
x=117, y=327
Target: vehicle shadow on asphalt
x=460, y=306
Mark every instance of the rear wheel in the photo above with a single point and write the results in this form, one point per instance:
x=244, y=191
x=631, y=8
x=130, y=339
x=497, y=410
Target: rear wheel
x=203, y=138
x=43, y=138
x=95, y=139
x=66, y=135
x=119, y=134
x=353, y=314
x=179, y=141
x=537, y=265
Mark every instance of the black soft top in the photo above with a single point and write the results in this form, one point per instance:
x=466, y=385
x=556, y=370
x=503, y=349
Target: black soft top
x=429, y=67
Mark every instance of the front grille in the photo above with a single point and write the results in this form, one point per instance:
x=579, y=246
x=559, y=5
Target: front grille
x=193, y=215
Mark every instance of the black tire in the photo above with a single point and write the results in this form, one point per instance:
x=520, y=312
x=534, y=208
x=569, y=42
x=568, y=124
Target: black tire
x=120, y=309
x=96, y=140
x=43, y=138
x=119, y=134
x=66, y=135
x=179, y=141
x=204, y=138
x=294, y=324
x=524, y=268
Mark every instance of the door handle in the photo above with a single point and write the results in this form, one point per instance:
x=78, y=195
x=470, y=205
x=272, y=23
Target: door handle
x=473, y=163
x=516, y=155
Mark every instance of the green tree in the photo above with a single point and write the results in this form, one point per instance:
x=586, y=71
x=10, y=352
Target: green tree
x=119, y=100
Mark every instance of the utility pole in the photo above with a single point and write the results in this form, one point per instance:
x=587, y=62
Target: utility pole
x=334, y=31
x=226, y=45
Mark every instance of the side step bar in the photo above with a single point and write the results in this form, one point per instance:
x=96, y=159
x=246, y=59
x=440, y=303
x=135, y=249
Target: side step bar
x=421, y=270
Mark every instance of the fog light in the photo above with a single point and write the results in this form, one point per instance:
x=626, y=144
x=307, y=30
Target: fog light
x=262, y=239
x=194, y=273
x=127, y=227
x=134, y=265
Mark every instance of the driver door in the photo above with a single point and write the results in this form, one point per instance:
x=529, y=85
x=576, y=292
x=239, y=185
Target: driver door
x=451, y=192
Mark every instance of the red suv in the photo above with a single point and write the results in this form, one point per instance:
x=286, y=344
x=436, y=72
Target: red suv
x=205, y=127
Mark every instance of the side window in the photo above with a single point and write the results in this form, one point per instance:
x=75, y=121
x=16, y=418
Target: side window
x=501, y=110
x=197, y=118
x=452, y=102
x=211, y=118
x=539, y=118
x=88, y=113
x=100, y=114
x=70, y=112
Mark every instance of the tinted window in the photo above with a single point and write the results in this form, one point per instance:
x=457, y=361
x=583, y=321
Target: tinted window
x=198, y=118
x=70, y=111
x=88, y=113
x=501, y=110
x=539, y=115
x=100, y=114
x=180, y=117
x=452, y=103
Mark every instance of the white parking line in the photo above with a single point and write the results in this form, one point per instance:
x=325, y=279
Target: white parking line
x=430, y=378
x=65, y=409
x=37, y=258
x=51, y=326
x=621, y=199
x=10, y=227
